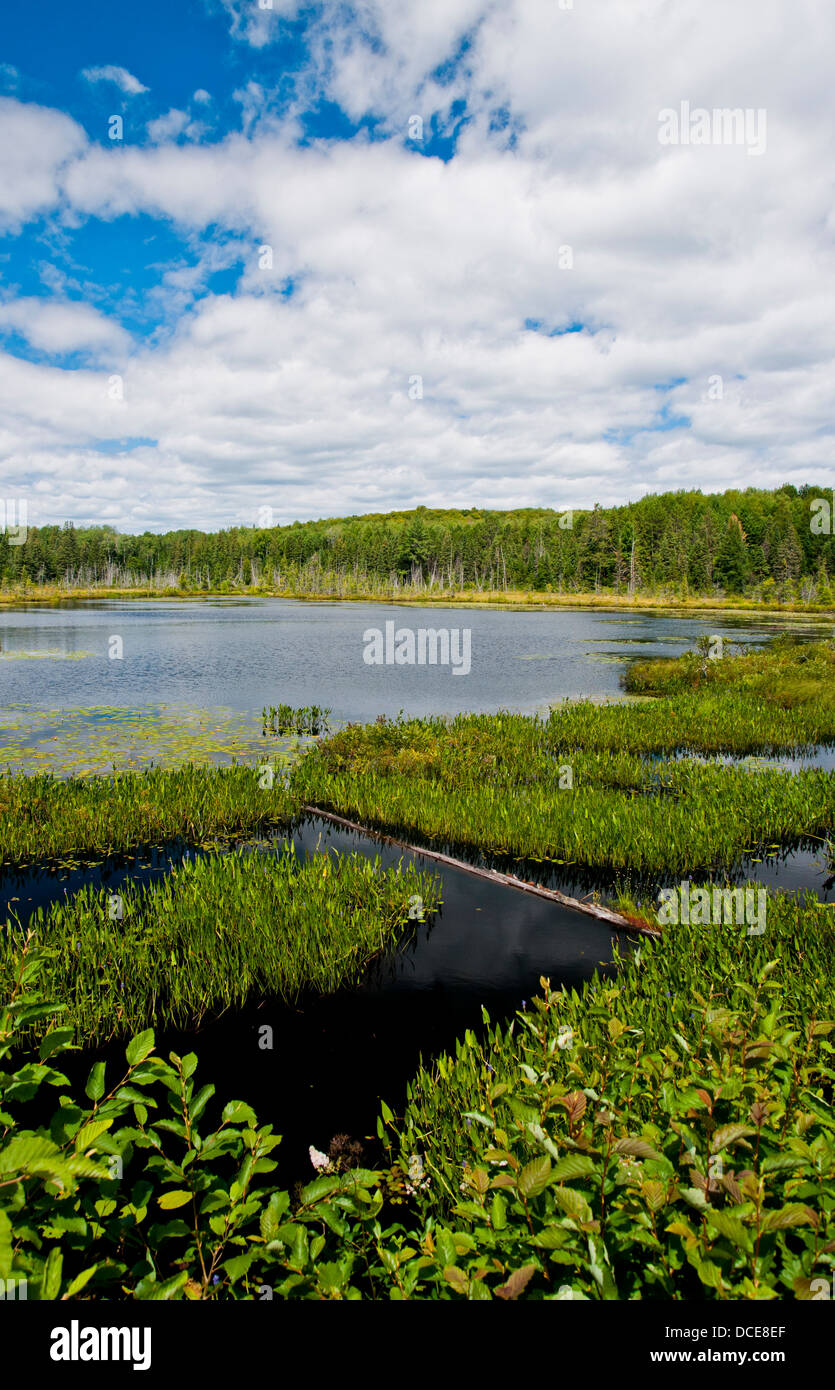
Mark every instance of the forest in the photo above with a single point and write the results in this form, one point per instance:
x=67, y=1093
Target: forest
x=756, y=543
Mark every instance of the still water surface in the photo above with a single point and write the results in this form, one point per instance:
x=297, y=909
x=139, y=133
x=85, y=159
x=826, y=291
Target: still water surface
x=243, y=655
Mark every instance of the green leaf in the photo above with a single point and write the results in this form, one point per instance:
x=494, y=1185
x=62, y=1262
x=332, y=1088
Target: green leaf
x=730, y=1227
x=59, y=1040
x=51, y=1277
x=479, y=1118
x=5, y=1245
x=572, y=1203
x=140, y=1047
x=201, y=1100
x=636, y=1148
x=727, y=1135
x=571, y=1167
x=80, y=1281
x=238, y=1265
x=272, y=1216
x=319, y=1188
x=169, y=1201
x=148, y=1288
x=89, y=1132
x=792, y=1215
x=237, y=1112
x=94, y=1089
x=535, y=1176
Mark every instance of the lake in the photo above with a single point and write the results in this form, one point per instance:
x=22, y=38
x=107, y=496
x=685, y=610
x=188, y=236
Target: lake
x=93, y=683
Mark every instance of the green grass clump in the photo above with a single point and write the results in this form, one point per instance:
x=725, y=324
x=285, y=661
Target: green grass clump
x=789, y=673
x=589, y=784
x=284, y=719
x=518, y=786
x=44, y=817
x=215, y=932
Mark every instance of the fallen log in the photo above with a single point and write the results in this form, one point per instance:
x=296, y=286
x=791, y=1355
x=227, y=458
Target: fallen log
x=603, y=914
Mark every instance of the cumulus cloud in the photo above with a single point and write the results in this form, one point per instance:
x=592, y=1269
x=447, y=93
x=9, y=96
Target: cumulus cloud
x=120, y=77
x=541, y=319
x=36, y=143
x=61, y=326
x=173, y=124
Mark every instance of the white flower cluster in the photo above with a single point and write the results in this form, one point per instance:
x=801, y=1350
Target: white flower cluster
x=320, y=1161
x=418, y=1180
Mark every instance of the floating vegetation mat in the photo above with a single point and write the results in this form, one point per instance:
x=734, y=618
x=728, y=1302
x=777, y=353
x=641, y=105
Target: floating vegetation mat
x=216, y=932
x=45, y=818
x=78, y=742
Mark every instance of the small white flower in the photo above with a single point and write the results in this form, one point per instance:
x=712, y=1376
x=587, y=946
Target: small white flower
x=320, y=1161
x=565, y=1037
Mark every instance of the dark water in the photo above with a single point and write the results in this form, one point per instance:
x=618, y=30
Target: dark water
x=332, y=1059
x=244, y=654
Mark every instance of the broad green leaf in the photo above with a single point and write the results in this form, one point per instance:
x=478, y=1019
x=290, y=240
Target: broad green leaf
x=535, y=1176
x=51, y=1277
x=94, y=1089
x=140, y=1047
x=169, y=1201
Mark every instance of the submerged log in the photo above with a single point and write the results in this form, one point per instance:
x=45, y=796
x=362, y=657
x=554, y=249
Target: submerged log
x=603, y=914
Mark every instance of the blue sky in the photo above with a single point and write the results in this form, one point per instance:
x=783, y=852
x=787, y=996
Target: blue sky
x=346, y=257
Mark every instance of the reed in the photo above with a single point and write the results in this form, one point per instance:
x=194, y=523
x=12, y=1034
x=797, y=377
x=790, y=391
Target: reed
x=216, y=932
x=521, y=787
x=284, y=719
x=44, y=817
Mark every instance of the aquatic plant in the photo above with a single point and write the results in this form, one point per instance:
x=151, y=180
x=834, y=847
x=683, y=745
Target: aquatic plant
x=602, y=1162
x=284, y=719
x=215, y=932
x=665, y=995
x=599, y=785
x=508, y=786
x=44, y=817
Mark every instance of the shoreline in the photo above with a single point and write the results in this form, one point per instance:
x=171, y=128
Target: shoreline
x=522, y=601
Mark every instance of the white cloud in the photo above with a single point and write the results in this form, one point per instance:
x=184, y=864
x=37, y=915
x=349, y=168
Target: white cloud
x=253, y=21
x=35, y=144
x=120, y=77
x=687, y=263
x=173, y=124
x=60, y=326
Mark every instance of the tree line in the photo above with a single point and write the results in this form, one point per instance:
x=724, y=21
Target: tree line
x=754, y=542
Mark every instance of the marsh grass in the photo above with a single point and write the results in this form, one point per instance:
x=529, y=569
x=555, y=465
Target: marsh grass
x=44, y=817
x=510, y=785
x=216, y=932
x=284, y=719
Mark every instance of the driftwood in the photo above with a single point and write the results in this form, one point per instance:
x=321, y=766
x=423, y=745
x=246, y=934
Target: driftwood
x=603, y=914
